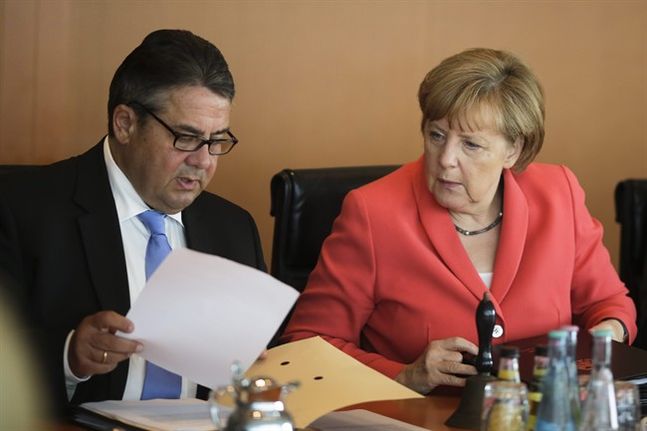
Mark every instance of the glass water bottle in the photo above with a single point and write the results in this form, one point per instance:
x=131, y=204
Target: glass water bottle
x=554, y=413
x=539, y=370
x=509, y=364
x=599, y=412
x=573, y=382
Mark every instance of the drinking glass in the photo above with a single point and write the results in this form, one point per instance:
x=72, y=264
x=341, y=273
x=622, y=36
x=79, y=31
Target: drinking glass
x=628, y=405
x=221, y=405
x=505, y=406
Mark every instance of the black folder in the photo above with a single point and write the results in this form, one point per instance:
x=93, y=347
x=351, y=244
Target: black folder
x=97, y=422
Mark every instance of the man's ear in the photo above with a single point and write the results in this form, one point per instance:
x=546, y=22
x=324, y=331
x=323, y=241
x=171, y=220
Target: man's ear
x=124, y=123
x=513, y=152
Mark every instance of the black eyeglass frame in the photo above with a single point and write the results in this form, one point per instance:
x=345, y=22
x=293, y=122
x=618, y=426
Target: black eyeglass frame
x=178, y=135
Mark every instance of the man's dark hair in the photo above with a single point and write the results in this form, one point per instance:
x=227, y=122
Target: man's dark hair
x=168, y=59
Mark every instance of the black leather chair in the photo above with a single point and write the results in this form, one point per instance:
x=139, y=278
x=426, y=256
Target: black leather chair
x=631, y=213
x=305, y=202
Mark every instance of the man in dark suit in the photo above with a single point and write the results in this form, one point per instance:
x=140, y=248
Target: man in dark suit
x=71, y=234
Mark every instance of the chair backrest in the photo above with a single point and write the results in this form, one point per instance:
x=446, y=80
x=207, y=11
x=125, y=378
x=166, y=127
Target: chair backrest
x=631, y=213
x=305, y=202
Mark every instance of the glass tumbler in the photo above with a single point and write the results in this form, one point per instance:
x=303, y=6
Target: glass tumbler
x=505, y=406
x=628, y=405
x=222, y=402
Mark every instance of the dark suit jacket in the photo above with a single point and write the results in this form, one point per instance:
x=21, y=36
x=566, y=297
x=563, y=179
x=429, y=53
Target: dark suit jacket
x=60, y=239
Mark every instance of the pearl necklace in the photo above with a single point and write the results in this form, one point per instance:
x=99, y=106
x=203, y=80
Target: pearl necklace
x=489, y=227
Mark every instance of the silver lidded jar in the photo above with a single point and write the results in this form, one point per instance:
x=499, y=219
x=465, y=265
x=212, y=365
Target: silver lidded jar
x=251, y=404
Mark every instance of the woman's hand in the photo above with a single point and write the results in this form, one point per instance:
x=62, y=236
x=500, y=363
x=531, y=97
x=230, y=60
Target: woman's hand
x=440, y=364
x=616, y=328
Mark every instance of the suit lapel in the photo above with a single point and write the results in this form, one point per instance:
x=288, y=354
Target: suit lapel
x=101, y=234
x=512, y=239
x=200, y=230
x=101, y=237
x=203, y=227
x=440, y=230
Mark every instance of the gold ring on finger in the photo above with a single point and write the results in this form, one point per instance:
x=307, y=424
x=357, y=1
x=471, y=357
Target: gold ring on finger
x=105, y=357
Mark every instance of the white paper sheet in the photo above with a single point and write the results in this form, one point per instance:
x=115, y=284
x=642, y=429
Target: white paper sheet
x=198, y=313
x=361, y=420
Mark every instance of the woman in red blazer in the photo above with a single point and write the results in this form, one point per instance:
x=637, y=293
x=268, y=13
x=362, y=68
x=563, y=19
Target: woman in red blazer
x=411, y=255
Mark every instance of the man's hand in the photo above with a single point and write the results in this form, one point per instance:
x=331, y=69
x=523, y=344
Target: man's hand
x=94, y=349
x=440, y=364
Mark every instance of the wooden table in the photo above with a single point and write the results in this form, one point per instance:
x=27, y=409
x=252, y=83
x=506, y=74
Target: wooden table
x=429, y=412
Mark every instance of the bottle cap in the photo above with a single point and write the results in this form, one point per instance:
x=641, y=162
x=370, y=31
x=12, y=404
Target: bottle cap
x=557, y=334
x=602, y=333
x=570, y=328
x=509, y=351
x=541, y=350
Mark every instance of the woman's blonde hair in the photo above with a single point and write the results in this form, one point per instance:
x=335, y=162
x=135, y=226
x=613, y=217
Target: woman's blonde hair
x=462, y=86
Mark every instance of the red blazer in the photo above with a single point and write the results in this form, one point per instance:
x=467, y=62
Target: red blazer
x=393, y=274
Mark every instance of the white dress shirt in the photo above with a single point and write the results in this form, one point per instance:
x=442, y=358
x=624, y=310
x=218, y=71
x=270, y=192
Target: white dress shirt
x=134, y=237
x=487, y=278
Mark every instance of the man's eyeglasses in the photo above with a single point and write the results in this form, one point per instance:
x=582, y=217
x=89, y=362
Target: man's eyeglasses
x=189, y=143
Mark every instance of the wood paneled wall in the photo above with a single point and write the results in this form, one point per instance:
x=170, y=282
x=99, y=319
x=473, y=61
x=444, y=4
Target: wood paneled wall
x=327, y=83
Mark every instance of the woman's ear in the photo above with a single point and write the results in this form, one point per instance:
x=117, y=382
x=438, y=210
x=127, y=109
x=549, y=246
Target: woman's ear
x=124, y=123
x=512, y=153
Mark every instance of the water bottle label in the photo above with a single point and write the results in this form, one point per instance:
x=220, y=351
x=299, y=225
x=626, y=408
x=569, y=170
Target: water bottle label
x=534, y=396
x=510, y=375
x=532, y=423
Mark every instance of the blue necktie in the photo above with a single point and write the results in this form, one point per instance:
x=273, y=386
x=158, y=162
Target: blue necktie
x=158, y=383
